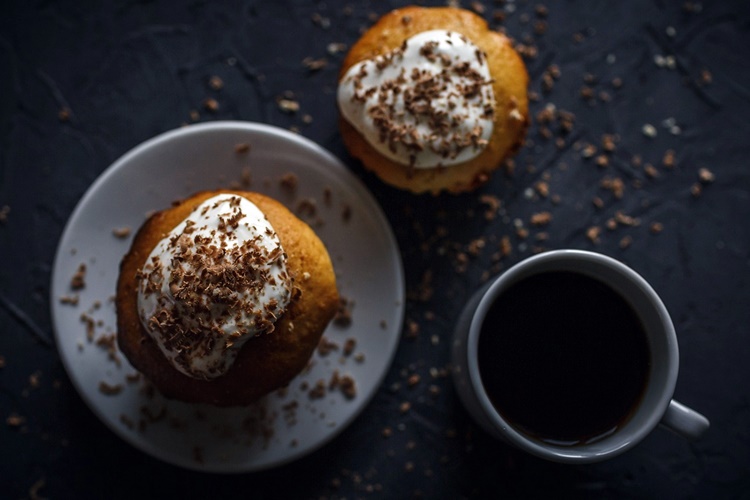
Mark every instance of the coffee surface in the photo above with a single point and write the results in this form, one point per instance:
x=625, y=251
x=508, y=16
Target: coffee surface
x=563, y=357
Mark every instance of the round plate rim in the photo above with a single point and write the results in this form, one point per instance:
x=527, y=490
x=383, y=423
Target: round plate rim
x=178, y=134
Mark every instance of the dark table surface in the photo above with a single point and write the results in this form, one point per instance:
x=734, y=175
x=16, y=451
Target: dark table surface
x=640, y=108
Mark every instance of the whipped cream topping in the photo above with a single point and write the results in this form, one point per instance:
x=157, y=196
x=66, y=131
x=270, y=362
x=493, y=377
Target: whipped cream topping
x=215, y=281
x=427, y=104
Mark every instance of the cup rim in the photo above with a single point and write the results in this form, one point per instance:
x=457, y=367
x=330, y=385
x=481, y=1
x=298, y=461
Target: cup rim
x=571, y=454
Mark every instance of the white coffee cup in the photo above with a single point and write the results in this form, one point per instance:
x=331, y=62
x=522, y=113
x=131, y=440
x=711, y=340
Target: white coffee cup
x=656, y=405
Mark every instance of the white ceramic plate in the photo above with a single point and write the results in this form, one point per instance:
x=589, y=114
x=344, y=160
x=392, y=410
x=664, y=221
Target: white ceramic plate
x=282, y=427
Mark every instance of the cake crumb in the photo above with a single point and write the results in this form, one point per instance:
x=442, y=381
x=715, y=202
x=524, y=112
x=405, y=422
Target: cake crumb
x=289, y=181
x=588, y=151
x=412, y=329
x=542, y=188
x=477, y=7
x=334, y=48
x=318, y=391
x=343, y=315
x=326, y=346
x=246, y=177
x=349, y=345
x=335, y=381
x=505, y=246
x=78, y=281
x=649, y=130
x=216, y=83
x=121, y=232
x=593, y=233
x=15, y=420
x=615, y=185
x=669, y=158
x=541, y=218
x=90, y=326
x=4, y=211
x=320, y=21
x=211, y=104
x=109, y=389
x=127, y=421
x=71, y=300
x=626, y=220
x=348, y=386
x=493, y=205
x=36, y=488
x=108, y=343
x=287, y=105
x=307, y=207
x=706, y=176
x=64, y=114
x=34, y=379
x=656, y=227
x=313, y=65
x=346, y=212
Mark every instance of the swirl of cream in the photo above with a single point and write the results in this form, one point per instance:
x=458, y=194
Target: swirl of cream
x=215, y=281
x=427, y=104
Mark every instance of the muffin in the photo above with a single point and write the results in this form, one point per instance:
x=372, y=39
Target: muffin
x=223, y=298
x=432, y=100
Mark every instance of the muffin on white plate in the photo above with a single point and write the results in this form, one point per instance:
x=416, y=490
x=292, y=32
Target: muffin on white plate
x=223, y=298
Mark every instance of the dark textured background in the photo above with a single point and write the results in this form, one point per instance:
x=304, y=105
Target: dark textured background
x=128, y=70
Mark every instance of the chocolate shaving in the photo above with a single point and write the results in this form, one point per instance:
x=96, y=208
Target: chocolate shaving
x=421, y=92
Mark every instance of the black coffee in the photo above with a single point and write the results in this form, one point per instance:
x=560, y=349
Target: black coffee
x=563, y=357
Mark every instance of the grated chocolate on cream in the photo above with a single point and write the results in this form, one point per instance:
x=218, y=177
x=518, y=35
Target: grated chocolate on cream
x=426, y=104
x=215, y=281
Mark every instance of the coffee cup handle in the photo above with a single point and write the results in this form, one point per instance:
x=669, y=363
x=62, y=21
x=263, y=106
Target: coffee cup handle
x=684, y=421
